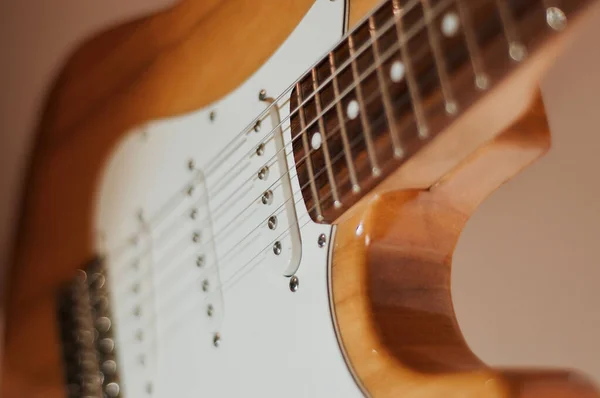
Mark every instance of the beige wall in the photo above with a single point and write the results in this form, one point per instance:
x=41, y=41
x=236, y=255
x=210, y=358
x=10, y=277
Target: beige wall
x=526, y=270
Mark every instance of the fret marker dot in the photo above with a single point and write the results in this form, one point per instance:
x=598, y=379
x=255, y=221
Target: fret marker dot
x=397, y=71
x=352, y=109
x=316, y=141
x=450, y=24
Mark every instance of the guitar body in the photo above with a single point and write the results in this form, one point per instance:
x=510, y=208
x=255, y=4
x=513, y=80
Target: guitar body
x=209, y=294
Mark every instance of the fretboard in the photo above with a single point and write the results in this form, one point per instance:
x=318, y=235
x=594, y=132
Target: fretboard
x=398, y=80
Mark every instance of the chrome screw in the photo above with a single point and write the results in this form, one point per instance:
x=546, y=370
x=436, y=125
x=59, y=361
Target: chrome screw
x=272, y=222
x=210, y=310
x=109, y=367
x=103, y=324
x=263, y=173
x=267, y=197
x=217, y=340
x=262, y=95
x=191, y=164
x=193, y=214
x=107, y=345
x=190, y=190
x=212, y=116
x=294, y=283
x=196, y=237
x=260, y=150
x=205, y=285
x=257, y=126
x=322, y=240
x=200, y=261
x=112, y=389
x=277, y=248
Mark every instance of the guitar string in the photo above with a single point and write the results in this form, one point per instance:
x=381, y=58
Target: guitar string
x=385, y=56
x=153, y=317
x=265, y=113
x=227, y=284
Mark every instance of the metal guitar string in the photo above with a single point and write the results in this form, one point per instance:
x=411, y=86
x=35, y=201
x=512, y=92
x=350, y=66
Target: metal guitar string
x=385, y=56
x=218, y=159
x=237, y=276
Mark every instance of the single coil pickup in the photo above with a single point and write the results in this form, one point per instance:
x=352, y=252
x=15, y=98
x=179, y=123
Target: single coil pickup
x=85, y=324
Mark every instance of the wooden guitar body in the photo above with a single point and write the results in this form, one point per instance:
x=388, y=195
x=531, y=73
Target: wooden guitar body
x=383, y=288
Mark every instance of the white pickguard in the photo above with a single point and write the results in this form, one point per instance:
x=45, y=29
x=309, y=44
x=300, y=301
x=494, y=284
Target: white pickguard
x=175, y=254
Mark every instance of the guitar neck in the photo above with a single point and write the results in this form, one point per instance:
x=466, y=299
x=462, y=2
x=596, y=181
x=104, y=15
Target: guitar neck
x=399, y=79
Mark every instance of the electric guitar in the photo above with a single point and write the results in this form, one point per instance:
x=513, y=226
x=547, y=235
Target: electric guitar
x=247, y=199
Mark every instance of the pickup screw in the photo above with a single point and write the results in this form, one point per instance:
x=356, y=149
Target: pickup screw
x=210, y=310
x=263, y=173
x=205, y=285
x=193, y=214
x=322, y=240
x=200, y=261
x=196, y=237
x=217, y=340
x=212, y=116
x=191, y=164
x=257, y=126
x=262, y=95
x=277, y=248
x=272, y=222
x=556, y=18
x=260, y=150
x=267, y=197
x=294, y=283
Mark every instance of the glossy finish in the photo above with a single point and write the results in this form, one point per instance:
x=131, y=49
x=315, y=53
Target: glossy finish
x=391, y=283
x=161, y=66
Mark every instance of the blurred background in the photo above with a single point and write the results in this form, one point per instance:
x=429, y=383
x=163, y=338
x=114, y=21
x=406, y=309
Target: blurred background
x=526, y=271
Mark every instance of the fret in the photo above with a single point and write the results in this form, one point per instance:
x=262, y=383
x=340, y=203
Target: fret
x=440, y=62
x=413, y=87
x=342, y=125
x=390, y=84
x=307, y=154
x=387, y=103
x=482, y=80
x=516, y=49
x=363, y=110
x=323, y=132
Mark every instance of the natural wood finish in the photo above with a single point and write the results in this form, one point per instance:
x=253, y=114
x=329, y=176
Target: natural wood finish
x=163, y=65
x=391, y=282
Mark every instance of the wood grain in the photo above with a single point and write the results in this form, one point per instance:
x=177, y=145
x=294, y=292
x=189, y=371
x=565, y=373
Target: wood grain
x=391, y=283
x=164, y=65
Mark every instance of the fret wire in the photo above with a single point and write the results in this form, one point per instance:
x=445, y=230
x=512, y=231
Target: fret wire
x=334, y=192
x=390, y=24
x=440, y=61
x=482, y=81
x=411, y=80
x=363, y=110
x=309, y=166
x=342, y=124
x=387, y=103
x=515, y=48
